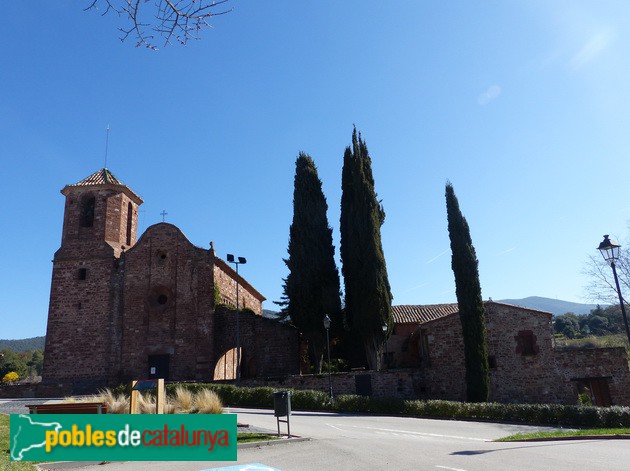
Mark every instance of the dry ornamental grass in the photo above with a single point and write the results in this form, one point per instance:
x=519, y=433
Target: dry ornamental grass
x=183, y=402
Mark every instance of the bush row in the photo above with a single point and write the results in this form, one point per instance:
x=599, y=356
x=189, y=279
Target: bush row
x=539, y=414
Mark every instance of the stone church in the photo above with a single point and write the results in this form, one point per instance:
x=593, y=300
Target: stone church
x=126, y=307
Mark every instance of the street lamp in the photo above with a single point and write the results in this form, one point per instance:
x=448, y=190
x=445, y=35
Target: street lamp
x=327, y=327
x=610, y=251
x=239, y=261
x=386, y=362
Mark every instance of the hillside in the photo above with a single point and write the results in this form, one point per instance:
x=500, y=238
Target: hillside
x=554, y=306
x=23, y=345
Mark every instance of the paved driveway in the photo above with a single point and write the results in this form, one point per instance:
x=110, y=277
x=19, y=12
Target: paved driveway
x=359, y=442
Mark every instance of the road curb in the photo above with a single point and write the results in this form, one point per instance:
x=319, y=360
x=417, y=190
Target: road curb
x=66, y=465
x=272, y=442
x=81, y=464
x=573, y=438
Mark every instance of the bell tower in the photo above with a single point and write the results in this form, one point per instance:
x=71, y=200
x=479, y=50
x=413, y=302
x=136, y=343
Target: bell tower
x=100, y=222
x=100, y=209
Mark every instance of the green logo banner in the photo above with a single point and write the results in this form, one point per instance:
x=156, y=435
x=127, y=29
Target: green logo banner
x=123, y=437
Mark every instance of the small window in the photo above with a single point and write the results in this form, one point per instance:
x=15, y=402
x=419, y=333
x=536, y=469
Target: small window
x=526, y=343
x=162, y=299
x=82, y=273
x=492, y=362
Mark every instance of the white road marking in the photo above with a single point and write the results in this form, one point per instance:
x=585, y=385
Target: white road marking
x=407, y=432
x=336, y=428
x=452, y=469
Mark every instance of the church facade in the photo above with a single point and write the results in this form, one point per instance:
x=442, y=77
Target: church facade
x=126, y=307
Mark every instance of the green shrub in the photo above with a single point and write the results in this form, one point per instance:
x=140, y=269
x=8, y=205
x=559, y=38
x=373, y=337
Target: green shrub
x=540, y=414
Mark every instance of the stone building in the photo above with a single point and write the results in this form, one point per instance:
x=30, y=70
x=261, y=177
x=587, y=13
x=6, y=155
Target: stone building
x=124, y=307
x=524, y=364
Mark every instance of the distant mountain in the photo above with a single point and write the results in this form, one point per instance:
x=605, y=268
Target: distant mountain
x=554, y=306
x=23, y=345
x=270, y=314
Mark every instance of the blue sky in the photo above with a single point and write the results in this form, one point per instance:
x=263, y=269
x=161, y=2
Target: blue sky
x=523, y=106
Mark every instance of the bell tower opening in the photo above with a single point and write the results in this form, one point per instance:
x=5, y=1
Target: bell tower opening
x=86, y=218
x=129, y=223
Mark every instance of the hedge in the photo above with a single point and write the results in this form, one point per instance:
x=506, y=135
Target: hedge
x=535, y=414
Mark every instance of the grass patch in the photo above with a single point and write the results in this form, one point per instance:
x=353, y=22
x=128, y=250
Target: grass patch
x=5, y=460
x=255, y=437
x=611, y=432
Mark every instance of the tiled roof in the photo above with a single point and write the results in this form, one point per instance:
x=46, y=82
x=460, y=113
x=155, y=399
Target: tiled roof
x=418, y=314
x=103, y=177
x=100, y=177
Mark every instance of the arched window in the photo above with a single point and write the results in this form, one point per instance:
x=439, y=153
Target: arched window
x=129, y=222
x=86, y=218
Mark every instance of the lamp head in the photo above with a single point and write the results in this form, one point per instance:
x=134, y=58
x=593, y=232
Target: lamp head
x=326, y=322
x=230, y=258
x=609, y=250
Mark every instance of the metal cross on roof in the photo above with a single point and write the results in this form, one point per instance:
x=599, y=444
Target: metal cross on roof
x=163, y=214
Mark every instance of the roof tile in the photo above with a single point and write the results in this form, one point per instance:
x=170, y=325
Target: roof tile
x=418, y=314
x=100, y=177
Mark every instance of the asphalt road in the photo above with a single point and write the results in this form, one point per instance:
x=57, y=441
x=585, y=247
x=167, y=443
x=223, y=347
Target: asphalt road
x=358, y=442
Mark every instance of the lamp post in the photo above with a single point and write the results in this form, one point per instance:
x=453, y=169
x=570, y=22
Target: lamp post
x=237, y=262
x=327, y=327
x=610, y=251
x=385, y=362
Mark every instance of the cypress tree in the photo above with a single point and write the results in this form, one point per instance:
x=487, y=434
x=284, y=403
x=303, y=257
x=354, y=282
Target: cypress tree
x=368, y=297
x=311, y=289
x=471, y=310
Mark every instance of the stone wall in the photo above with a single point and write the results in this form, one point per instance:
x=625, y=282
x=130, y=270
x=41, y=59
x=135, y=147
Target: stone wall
x=17, y=391
x=268, y=347
x=248, y=297
x=524, y=366
x=403, y=383
x=167, y=306
x=610, y=364
x=78, y=320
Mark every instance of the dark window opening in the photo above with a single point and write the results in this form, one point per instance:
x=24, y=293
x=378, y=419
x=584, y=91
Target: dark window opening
x=526, y=343
x=161, y=255
x=424, y=347
x=86, y=218
x=162, y=299
x=82, y=273
x=492, y=362
x=129, y=222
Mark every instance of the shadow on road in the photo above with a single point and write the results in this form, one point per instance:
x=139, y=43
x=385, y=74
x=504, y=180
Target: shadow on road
x=481, y=452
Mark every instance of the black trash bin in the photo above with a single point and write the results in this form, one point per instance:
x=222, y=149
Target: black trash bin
x=282, y=403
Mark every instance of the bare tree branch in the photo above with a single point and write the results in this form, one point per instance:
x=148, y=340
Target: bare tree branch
x=601, y=286
x=172, y=20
